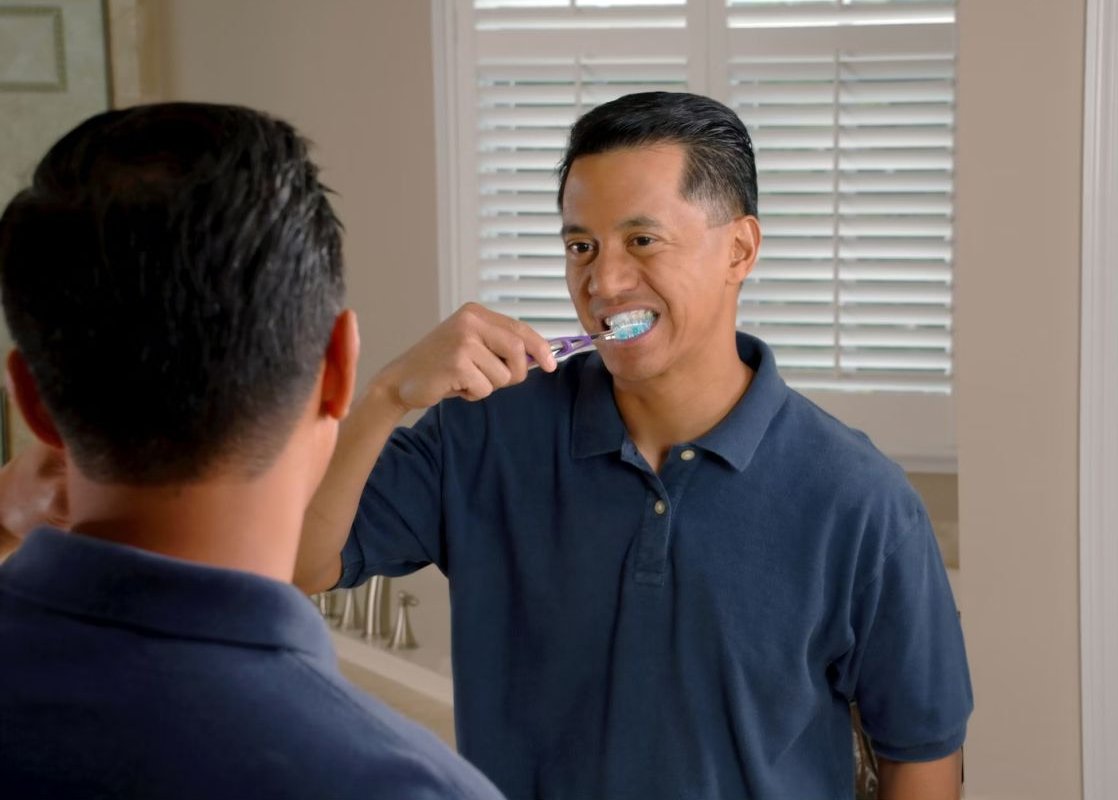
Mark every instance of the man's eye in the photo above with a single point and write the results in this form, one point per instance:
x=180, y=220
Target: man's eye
x=642, y=241
x=578, y=248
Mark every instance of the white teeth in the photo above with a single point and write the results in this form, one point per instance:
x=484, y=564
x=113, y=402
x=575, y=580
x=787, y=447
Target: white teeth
x=630, y=324
x=641, y=316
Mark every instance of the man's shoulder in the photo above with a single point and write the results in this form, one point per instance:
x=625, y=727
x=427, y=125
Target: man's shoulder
x=278, y=721
x=379, y=742
x=840, y=459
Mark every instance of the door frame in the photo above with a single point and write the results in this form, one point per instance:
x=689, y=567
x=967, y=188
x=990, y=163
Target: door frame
x=1098, y=422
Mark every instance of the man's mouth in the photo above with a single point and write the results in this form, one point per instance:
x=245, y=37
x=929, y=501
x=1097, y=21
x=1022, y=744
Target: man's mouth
x=630, y=324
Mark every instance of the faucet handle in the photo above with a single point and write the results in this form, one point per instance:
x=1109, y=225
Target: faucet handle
x=402, y=637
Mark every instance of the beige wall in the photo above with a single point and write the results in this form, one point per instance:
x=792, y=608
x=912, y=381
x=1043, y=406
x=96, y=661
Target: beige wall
x=1018, y=225
x=356, y=78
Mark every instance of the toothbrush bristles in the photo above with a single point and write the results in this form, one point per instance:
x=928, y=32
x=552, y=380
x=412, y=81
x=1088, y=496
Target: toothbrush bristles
x=630, y=330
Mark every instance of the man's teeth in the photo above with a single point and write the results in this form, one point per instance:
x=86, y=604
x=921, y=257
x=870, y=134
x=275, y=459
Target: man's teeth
x=630, y=324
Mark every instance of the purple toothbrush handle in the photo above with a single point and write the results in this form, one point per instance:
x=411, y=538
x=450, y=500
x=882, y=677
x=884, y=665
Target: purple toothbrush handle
x=563, y=346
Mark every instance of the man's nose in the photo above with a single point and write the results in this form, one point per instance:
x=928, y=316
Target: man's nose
x=613, y=273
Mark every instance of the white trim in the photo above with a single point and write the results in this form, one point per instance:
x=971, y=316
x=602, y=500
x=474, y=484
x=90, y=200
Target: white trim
x=462, y=75
x=446, y=171
x=124, y=27
x=1098, y=476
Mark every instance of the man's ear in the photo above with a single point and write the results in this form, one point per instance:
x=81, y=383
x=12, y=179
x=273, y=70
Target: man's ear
x=339, y=374
x=744, y=247
x=30, y=402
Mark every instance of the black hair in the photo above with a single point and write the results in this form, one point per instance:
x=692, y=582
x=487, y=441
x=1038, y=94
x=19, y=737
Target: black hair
x=172, y=277
x=720, y=170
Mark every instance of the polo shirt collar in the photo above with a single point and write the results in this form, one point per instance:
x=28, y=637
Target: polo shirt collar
x=599, y=429
x=130, y=587
x=738, y=435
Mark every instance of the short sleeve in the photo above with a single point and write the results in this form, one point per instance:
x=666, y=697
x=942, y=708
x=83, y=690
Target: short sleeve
x=909, y=667
x=398, y=526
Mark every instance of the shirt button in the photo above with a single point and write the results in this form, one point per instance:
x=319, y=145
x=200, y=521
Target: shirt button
x=687, y=454
x=660, y=507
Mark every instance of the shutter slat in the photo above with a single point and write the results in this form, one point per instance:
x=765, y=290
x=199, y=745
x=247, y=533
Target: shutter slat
x=896, y=271
x=583, y=19
x=521, y=246
x=898, y=381
x=825, y=15
x=929, y=339
x=528, y=289
x=538, y=309
x=893, y=294
x=534, y=182
x=553, y=70
x=897, y=360
x=499, y=269
x=553, y=140
x=534, y=224
x=750, y=312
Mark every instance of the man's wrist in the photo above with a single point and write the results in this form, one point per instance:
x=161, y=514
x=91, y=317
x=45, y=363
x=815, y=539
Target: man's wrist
x=382, y=400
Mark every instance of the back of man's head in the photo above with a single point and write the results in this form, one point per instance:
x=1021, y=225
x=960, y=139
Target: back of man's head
x=172, y=277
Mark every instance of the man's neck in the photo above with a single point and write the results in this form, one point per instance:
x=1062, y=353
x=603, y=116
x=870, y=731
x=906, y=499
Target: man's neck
x=252, y=526
x=678, y=407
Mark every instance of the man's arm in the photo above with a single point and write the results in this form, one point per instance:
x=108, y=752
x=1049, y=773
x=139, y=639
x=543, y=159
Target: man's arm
x=470, y=355
x=924, y=780
x=328, y=519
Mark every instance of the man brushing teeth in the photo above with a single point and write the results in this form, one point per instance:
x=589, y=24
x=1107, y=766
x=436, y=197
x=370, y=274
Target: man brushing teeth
x=671, y=575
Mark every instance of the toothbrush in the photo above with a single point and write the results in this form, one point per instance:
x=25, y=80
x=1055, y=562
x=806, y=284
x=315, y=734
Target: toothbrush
x=563, y=346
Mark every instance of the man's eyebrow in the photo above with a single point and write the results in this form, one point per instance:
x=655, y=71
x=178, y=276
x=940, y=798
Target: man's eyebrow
x=639, y=221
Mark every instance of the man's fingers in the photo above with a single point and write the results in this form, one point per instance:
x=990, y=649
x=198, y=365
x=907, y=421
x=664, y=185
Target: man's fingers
x=473, y=384
x=492, y=365
x=536, y=346
x=471, y=354
x=515, y=341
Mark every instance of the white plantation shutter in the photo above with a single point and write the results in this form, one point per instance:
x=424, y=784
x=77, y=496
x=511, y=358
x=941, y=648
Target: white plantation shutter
x=851, y=107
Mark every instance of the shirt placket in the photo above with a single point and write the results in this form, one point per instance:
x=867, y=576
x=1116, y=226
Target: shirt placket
x=663, y=497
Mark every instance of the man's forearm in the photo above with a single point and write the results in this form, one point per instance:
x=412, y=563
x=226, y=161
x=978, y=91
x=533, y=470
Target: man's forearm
x=330, y=515
x=471, y=354
x=927, y=780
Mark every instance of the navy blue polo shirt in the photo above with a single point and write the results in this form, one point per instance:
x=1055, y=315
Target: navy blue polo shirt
x=697, y=633
x=126, y=674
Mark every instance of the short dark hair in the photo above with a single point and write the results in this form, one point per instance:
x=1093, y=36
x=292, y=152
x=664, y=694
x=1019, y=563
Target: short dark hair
x=172, y=277
x=720, y=170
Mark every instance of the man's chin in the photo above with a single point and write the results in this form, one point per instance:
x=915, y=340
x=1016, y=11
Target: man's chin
x=630, y=368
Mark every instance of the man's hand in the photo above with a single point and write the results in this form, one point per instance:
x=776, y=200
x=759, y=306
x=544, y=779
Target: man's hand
x=32, y=493
x=471, y=354
x=928, y=780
